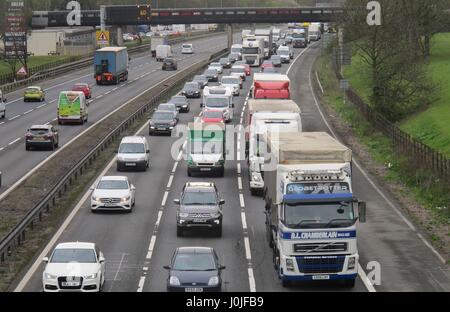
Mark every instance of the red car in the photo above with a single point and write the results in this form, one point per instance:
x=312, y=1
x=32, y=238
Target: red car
x=266, y=64
x=84, y=87
x=212, y=116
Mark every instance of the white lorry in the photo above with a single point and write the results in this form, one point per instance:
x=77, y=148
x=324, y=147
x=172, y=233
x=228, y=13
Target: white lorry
x=311, y=212
x=314, y=32
x=253, y=51
x=265, y=116
x=219, y=98
x=162, y=52
x=267, y=35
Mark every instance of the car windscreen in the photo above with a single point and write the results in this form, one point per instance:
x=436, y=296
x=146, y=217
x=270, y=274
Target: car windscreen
x=73, y=255
x=283, y=52
x=112, y=185
x=32, y=90
x=187, y=46
x=238, y=70
x=131, y=148
x=195, y=197
x=163, y=116
x=194, y=262
x=166, y=107
x=216, y=102
x=230, y=81
x=191, y=86
x=39, y=131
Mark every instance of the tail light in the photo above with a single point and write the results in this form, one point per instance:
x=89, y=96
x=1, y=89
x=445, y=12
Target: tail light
x=28, y=136
x=47, y=137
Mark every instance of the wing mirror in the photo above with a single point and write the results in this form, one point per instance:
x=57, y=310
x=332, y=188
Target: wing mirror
x=222, y=202
x=101, y=259
x=177, y=201
x=362, y=211
x=147, y=151
x=167, y=267
x=5, y=101
x=133, y=188
x=45, y=259
x=222, y=267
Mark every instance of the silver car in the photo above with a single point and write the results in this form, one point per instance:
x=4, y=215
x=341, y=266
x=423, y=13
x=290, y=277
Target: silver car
x=113, y=193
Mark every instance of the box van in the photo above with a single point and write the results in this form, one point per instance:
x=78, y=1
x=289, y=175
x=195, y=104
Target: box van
x=72, y=107
x=133, y=153
x=219, y=98
x=2, y=105
x=163, y=52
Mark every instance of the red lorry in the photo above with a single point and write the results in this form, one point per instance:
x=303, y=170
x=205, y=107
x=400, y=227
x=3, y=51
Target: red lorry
x=271, y=86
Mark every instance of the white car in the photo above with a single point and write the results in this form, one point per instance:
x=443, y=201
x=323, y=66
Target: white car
x=232, y=82
x=238, y=70
x=187, y=48
x=2, y=105
x=113, y=193
x=217, y=66
x=74, y=267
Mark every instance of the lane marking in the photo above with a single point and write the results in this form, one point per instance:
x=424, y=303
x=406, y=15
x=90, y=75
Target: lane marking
x=365, y=279
x=244, y=221
x=40, y=106
x=141, y=284
x=15, y=141
x=320, y=84
x=15, y=117
x=28, y=111
x=169, y=185
x=166, y=194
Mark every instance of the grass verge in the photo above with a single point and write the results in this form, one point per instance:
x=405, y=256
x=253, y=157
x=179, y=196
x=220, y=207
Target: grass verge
x=427, y=206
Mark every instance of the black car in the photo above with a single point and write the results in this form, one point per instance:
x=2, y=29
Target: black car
x=212, y=75
x=194, y=269
x=191, y=90
x=42, y=136
x=169, y=64
x=225, y=62
x=299, y=43
x=181, y=102
x=201, y=80
x=199, y=207
x=162, y=122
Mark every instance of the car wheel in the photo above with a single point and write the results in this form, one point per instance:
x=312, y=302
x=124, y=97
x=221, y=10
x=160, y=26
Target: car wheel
x=27, y=148
x=179, y=231
x=219, y=232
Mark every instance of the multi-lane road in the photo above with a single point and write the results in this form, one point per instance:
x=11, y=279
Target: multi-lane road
x=137, y=245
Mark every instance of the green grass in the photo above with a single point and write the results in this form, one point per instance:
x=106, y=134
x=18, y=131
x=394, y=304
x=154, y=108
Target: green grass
x=432, y=126
x=358, y=74
x=32, y=61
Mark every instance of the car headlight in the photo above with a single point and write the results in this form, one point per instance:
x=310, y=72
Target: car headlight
x=127, y=198
x=351, y=263
x=183, y=215
x=290, y=265
x=96, y=199
x=90, y=277
x=184, y=106
x=50, y=276
x=213, y=281
x=174, y=281
x=256, y=178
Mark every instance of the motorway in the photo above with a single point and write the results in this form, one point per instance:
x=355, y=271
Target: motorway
x=144, y=73
x=137, y=245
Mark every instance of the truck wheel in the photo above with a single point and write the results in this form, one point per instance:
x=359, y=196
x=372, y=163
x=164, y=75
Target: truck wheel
x=349, y=283
x=179, y=231
x=221, y=172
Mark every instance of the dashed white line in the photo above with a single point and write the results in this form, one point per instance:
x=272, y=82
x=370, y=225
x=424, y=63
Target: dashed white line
x=169, y=185
x=240, y=183
x=166, y=194
x=244, y=221
x=141, y=284
x=1, y=123
x=15, y=117
x=241, y=199
x=15, y=141
x=175, y=167
x=40, y=106
x=2, y=148
x=28, y=111
x=239, y=168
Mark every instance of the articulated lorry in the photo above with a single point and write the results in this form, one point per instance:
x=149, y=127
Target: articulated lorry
x=253, y=51
x=206, y=151
x=311, y=212
x=271, y=86
x=111, y=65
x=266, y=116
x=267, y=35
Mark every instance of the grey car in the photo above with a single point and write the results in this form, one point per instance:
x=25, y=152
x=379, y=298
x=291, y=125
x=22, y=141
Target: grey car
x=276, y=60
x=191, y=90
x=225, y=62
x=201, y=80
x=199, y=207
x=212, y=75
x=169, y=107
x=162, y=122
x=181, y=102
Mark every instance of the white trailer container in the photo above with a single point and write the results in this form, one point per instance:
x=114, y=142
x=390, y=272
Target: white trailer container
x=310, y=208
x=267, y=35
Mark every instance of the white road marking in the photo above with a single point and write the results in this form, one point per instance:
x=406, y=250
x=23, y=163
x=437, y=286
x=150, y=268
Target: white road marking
x=169, y=185
x=320, y=84
x=28, y=111
x=15, y=141
x=240, y=183
x=2, y=148
x=166, y=194
x=158, y=221
x=141, y=284
x=15, y=117
x=251, y=279
x=175, y=167
x=244, y=221
x=241, y=199
x=151, y=247
x=52, y=101
x=118, y=269
x=1, y=123
x=365, y=279
x=40, y=106
x=239, y=168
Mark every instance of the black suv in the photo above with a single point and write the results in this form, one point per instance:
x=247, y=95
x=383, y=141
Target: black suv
x=199, y=207
x=169, y=63
x=162, y=122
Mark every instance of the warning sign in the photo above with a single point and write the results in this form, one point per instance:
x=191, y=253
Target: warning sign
x=22, y=72
x=102, y=37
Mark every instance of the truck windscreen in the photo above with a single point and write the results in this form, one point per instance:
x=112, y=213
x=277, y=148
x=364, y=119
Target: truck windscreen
x=250, y=50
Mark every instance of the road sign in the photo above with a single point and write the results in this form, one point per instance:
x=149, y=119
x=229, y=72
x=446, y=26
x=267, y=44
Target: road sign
x=22, y=72
x=102, y=37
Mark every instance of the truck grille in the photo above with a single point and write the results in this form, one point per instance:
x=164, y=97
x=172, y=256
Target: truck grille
x=110, y=200
x=320, y=264
x=320, y=247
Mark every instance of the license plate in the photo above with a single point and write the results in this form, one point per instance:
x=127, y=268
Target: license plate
x=130, y=164
x=193, y=290
x=320, y=277
x=110, y=205
x=70, y=284
x=205, y=169
x=199, y=220
x=162, y=129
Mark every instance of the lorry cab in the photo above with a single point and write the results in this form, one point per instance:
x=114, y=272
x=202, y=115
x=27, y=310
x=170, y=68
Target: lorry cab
x=2, y=105
x=219, y=98
x=163, y=52
x=253, y=51
x=72, y=107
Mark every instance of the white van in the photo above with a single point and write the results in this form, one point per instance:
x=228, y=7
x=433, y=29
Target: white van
x=133, y=153
x=219, y=98
x=72, y=107
x=2, y=105
x=187, y=48
x=162, y=52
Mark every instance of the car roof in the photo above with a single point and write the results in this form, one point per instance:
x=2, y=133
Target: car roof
x=33, y=87
x=75, y=245
x=190, y=250
x=166, y=104
x=133, y=139
x=230, y=77
x=81, y=84
x=41, y=127
x=200, y=184
x=114, y=178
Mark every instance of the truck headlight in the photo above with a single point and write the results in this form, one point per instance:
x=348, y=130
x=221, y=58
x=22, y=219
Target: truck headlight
x=50, y=276
x=290, y=265
x=213, y=281
x=174, y=281
x=351, y=263
x=91, y=277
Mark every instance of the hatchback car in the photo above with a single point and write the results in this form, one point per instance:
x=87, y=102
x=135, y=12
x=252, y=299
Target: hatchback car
x=194, y=269
x=225, y=62
x=187, y=48
x=201, y=80
x=169, y=107
x=42, y=136
x=83, y=87
x=266, y=64
x=276, y=60
x=212, y=116
x=181, y=102
x=238, y=70
x=113, y=193
x=162, y=122
x=212, y=75
x=199, y=207
x=133, y=153
x=248, y=69
x=217, y=67
x=169, y=64
x=232, y=82
x=191, y=90
x=74, y=267
x=34, y=94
